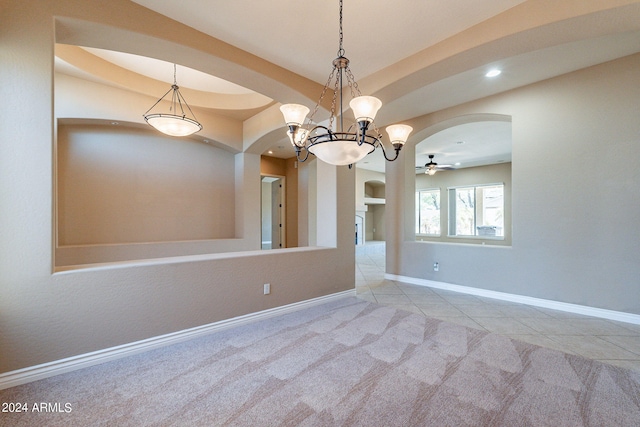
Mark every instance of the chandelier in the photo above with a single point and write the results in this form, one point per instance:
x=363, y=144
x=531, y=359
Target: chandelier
x=341, y=147
x=174, y=123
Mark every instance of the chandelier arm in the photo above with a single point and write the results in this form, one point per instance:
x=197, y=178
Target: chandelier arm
x=298, y=150
x=158, y=101
x=361, y=133
x=384, y=152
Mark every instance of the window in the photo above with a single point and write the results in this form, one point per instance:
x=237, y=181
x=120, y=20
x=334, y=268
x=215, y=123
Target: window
x=428, y=212
x=477, y=211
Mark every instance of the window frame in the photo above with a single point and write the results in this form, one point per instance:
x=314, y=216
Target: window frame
x=417, y=208
x=452, y=213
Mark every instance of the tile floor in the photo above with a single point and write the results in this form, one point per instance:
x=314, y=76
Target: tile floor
x=608, y=341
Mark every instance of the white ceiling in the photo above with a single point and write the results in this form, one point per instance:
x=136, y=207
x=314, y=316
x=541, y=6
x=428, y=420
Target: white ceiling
x=468, y=145
x=302, y=36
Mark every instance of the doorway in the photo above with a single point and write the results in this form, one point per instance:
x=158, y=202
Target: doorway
x=273, y=213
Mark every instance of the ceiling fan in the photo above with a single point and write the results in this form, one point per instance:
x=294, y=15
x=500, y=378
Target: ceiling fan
x=432, y=167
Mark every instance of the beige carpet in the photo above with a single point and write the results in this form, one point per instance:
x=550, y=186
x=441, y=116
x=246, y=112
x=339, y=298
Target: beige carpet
x=349, y=362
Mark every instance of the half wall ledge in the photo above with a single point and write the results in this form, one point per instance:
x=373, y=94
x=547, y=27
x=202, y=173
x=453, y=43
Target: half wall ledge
x=66, y=269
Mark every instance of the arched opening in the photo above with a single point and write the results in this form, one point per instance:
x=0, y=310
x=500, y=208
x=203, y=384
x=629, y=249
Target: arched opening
x=463, y=181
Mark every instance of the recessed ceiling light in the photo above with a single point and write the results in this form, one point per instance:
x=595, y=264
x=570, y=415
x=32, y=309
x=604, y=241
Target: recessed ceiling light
x=270, y=152
x=492, y=73
x=457, y=164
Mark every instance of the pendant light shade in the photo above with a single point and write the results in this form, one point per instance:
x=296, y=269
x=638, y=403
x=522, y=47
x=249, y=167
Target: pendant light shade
x=173, y=125
x=365, y=107
x=398, y=134
x=294, y=114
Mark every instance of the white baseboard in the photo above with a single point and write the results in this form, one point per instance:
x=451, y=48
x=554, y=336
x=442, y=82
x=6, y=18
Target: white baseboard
x=45, y=370
x=618, y=316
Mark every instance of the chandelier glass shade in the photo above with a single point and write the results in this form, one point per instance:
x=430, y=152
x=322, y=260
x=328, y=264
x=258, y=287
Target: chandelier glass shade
x=175, y=122
x=333, y=143
x=172, y=124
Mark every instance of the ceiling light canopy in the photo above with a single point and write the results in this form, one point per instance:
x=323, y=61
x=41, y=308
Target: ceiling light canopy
x=174, y=123
x=339, y=146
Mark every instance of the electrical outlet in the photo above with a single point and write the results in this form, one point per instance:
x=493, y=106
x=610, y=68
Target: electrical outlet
x=267, y=288
x=436, y=266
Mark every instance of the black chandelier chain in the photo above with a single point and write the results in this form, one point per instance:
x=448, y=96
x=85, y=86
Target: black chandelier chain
x=340, y=66
x=340, y=49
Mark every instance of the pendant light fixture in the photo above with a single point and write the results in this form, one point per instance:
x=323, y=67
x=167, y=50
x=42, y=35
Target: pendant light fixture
x=341, y=146
x=175, y=122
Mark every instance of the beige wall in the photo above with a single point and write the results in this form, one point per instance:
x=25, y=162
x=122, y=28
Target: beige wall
x=575, y=205
x=120, y=185
x=273, y=166
x=375, y=223
x=46, y=316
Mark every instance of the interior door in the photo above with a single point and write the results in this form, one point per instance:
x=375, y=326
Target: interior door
x=273, y=220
